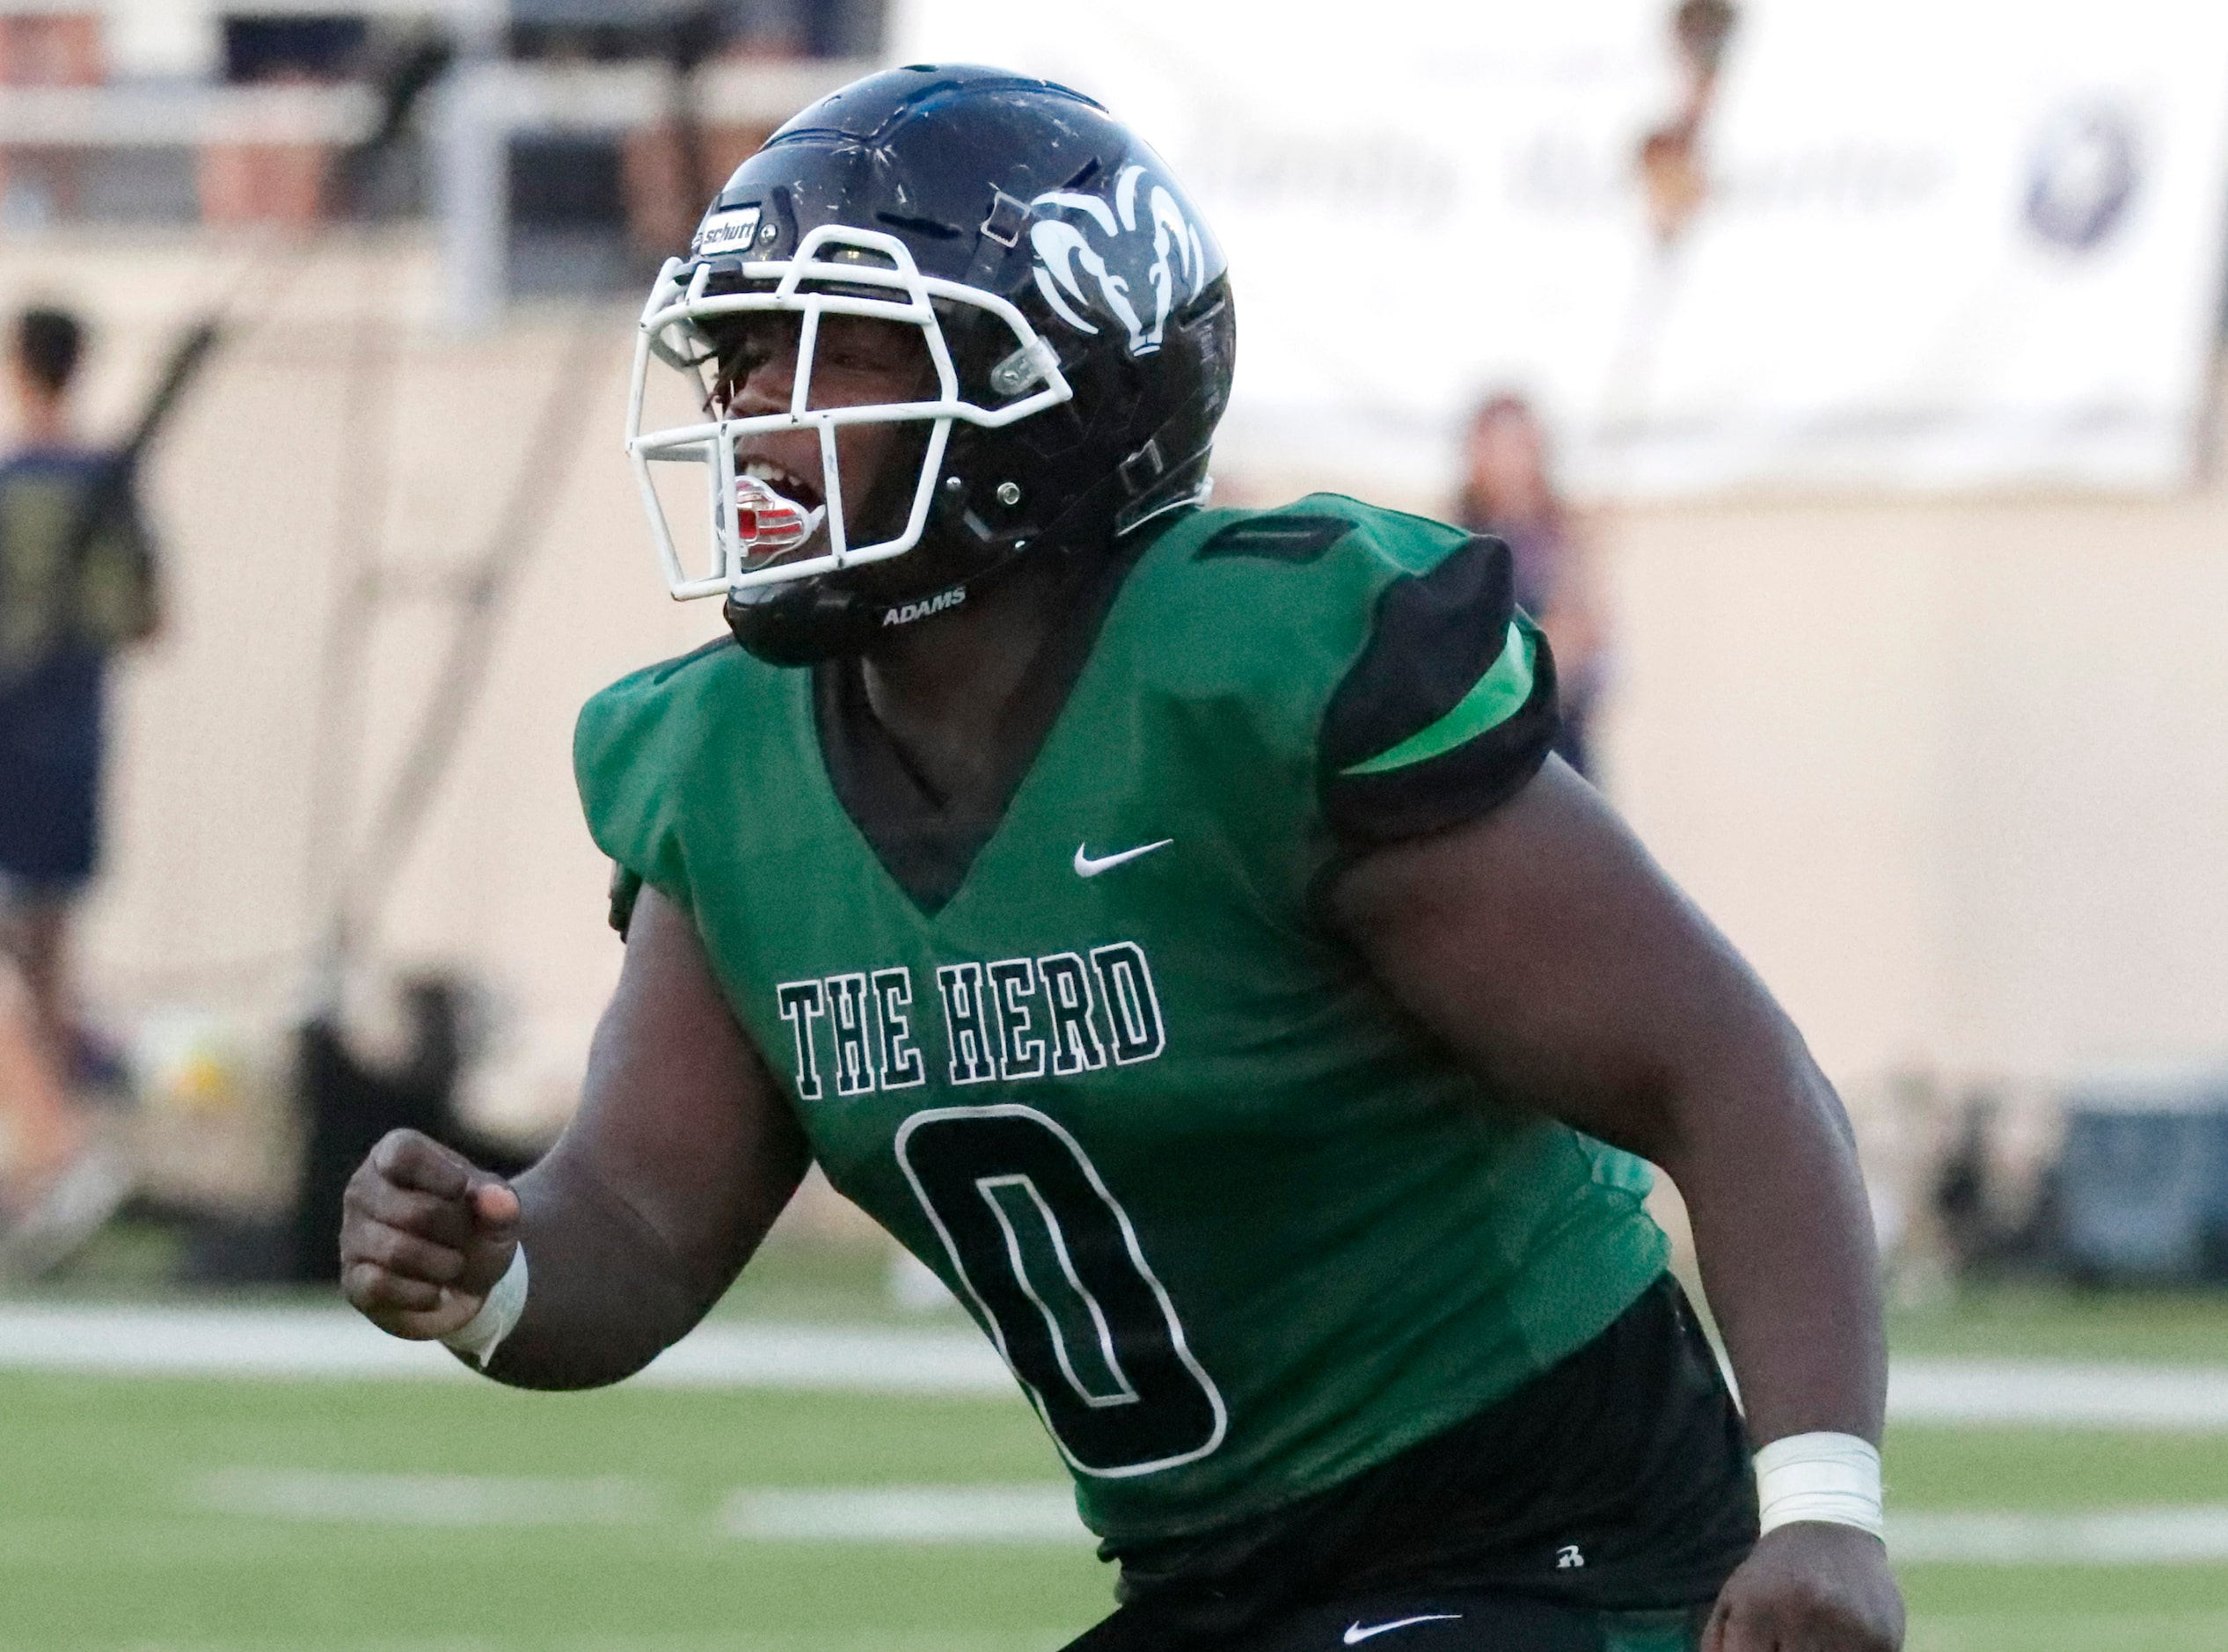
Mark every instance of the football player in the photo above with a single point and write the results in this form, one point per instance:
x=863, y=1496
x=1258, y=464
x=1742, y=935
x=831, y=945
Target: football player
x=1169, y=924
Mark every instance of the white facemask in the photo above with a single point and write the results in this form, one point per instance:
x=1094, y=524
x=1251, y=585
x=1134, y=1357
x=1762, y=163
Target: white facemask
x=752, y=523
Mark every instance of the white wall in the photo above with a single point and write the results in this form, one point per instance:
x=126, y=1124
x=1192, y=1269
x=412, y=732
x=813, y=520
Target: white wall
x=1953, y=774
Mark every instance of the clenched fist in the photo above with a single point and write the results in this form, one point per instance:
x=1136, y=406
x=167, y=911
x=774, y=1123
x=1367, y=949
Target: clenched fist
x=1809, y=1588
x=425, y=1234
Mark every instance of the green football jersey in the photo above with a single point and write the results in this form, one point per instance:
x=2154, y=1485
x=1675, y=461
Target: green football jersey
x=1239, y=1228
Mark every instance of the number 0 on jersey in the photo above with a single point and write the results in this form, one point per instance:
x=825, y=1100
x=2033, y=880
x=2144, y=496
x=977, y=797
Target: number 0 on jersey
x=1054, y=1265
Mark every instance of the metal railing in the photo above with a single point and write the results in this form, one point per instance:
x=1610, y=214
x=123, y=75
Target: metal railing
x=483, y=103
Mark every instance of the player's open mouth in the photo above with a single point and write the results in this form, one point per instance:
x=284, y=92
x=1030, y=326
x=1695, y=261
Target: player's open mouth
x=788, y=482
x=778, y=514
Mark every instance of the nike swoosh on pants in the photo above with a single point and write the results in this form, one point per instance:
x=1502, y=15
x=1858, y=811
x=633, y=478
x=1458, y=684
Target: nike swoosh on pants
x=1355, y=1633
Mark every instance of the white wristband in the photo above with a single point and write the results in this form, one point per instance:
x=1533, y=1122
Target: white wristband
x=1830, y=1477
x=483, y=1333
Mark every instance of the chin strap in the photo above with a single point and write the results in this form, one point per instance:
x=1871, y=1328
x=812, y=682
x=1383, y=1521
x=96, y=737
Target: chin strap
x=819, y=619
x=826, y=618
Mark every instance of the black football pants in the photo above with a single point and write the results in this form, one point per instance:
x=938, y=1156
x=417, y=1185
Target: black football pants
x=1449, y=1621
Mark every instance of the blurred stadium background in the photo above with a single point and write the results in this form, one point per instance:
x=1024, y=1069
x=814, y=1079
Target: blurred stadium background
x=1887, y=386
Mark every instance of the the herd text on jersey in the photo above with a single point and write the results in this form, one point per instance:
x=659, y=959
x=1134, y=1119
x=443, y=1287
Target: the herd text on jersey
x=1009, y=1018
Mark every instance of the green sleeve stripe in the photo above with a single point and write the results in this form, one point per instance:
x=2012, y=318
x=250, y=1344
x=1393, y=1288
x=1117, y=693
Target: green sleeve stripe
x=1499, y=694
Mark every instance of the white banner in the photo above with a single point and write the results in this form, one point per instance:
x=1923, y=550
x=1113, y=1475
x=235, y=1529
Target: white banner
x=1933, y=244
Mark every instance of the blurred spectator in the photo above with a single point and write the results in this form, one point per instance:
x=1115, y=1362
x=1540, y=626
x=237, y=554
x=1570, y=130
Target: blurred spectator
x=76, y=584
x=59, y=1181
x=1507, y=491
x=1674, y=180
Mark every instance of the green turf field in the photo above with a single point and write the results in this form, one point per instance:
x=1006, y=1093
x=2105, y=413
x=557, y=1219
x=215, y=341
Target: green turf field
x=145, y=1514
x=108, y=1540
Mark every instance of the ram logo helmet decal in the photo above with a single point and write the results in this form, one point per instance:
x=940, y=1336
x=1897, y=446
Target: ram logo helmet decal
x=1132, y=285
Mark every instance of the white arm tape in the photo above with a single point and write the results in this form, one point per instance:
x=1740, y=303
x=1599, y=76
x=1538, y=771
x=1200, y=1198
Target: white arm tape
x=483, y=1333
x=1830, y=1477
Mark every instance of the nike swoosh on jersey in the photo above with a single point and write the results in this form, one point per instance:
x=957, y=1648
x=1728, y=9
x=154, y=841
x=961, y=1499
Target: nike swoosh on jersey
x=1355, y=1633
x=1087, y=867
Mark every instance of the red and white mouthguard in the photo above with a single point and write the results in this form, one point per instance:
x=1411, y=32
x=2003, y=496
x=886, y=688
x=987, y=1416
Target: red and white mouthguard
x=767, y=524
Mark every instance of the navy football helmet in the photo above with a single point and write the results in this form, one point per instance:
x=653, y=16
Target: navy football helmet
x=1077, y=322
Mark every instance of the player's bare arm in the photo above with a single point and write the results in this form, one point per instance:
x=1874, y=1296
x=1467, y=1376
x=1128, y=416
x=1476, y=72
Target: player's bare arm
x=1542, y=942
x=681, y=1154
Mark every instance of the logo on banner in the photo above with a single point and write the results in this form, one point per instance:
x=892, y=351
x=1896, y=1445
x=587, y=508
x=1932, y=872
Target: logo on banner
x=2085, y=172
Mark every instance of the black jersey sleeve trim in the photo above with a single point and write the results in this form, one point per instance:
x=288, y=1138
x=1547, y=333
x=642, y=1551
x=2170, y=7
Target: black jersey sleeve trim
x=626, y=889
x=1292, y=538
x=1436, y=638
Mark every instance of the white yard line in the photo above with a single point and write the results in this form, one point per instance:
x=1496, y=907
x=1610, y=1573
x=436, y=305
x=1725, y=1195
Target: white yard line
x=423, y=1500
x=907, y=1513
x=1044, y=1513
x=2050, y=1393
x=2189, y=1536
x=332, y=1342
x=871, y=1359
